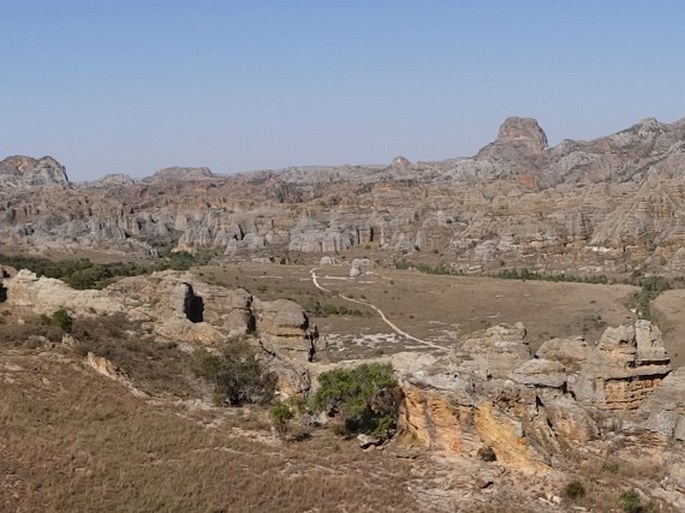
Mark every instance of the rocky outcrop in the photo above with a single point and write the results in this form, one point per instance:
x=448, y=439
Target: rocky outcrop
x=182, y=174
x=20, y=171
x=45, y=295
x=112, y=180
x=176, y=306
x=663, y=411
x=498, y=350
x=517, y=138
x=491, y=392
x=283, y=326
x=624, y=368
x=540, y=373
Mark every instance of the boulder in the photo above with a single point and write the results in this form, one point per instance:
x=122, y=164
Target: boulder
x=499, y=349
x=664, y=410
x=624, y=368
x=540, y=373
x=567, y=418
x=282, y=326
x=572, y=352
x=7, y=271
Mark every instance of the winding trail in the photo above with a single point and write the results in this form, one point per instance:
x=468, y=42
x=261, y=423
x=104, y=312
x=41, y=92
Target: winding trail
x=387, y=321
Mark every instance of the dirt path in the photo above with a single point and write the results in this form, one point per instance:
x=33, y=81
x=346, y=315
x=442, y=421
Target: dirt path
x=387, y=321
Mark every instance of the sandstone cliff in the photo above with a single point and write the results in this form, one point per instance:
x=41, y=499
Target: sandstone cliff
x=611, y=205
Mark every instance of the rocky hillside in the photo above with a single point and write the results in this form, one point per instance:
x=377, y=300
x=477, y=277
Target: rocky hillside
x=611, y=205
x=483, y=419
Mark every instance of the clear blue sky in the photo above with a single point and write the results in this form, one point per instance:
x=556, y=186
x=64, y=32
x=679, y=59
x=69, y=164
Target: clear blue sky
x=136, y=85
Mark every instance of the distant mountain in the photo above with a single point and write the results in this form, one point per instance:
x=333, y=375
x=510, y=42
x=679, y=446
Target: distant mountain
x=20, y=171
x=611, y=205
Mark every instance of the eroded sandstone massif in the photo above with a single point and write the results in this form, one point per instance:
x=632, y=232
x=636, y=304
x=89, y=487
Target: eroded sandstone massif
x=611, y=205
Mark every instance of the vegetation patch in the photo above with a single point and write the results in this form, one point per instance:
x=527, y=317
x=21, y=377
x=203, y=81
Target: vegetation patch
x=156, y=368
x=237, y=374
x=630, y=502
x=650, y=288
x=81, y=273
x=317, y=309
x=574, y=490
x=525, y=274
x=78, y=273
x=366, y=398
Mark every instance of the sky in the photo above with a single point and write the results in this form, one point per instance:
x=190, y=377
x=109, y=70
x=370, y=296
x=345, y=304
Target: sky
x=133, y=86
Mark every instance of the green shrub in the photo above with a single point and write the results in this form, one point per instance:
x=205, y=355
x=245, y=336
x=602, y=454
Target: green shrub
x=281, y=413
x=236, y=373
x=182, y=260
x=525, y=274
x=574, y=490
x=62, y=319
x=367, y=398
x=630, y=502
x=487, y=454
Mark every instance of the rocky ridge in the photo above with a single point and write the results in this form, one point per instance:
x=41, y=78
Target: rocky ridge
x=611, y=205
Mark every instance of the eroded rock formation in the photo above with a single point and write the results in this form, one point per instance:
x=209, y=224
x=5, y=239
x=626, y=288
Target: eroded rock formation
x=610, y=205
x=490, y=392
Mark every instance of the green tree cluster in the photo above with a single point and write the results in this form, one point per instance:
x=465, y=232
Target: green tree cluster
x=366, y=398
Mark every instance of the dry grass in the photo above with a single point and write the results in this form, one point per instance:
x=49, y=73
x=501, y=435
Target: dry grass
x=74, y=441
x=438, y=307
x=158, y=368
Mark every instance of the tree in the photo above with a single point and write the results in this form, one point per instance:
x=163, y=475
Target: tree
x=367, y=398
x=238, y=376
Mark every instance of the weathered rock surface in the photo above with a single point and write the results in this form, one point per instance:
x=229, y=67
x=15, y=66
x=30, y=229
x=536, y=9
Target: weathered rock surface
x=664, y=410
x=45, y=295
x=177, y=173
x=611, y=205
x=283, y=325
x=541, y=373
x=627, y=364
x=112, y=180
x=572, y=352
x=499, y=350
x=177, y=306
x=491, y=392
x=20, y=171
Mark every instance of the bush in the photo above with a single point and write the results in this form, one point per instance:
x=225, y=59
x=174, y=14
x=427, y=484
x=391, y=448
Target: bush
x=182, y=260
x=281, y=414
x=366, y=397
x=236, y=373
x=62, y=319
x=574, y=490
x=487, y=454
x=630, y=502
